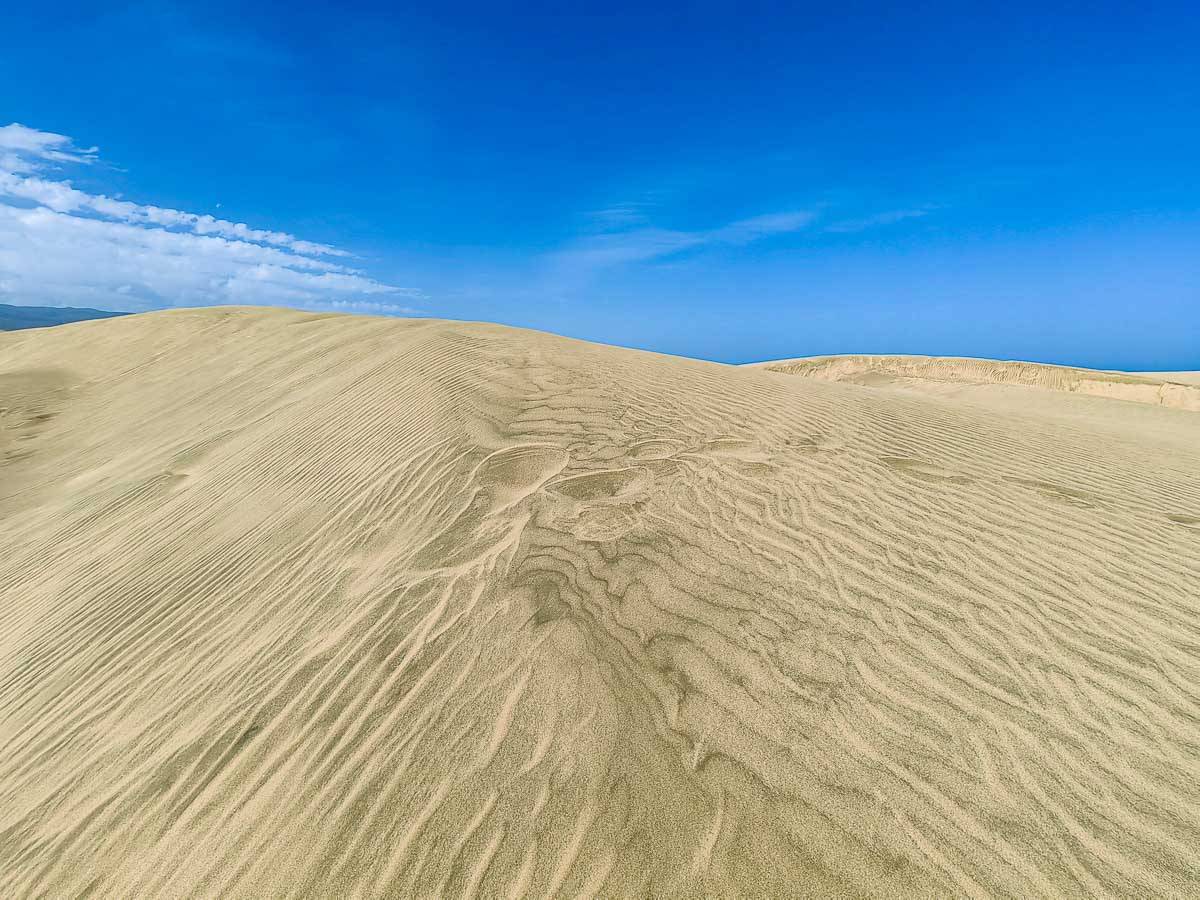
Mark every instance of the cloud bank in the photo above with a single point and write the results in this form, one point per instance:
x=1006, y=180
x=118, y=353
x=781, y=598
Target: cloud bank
x=60, y=246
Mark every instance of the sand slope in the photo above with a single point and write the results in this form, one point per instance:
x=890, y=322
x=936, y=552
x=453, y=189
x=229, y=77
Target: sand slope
x=328, y=606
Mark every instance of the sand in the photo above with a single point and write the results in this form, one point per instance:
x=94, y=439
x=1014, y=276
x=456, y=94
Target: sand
x=1181, y=377
x=1175, y=390
x=345, y=606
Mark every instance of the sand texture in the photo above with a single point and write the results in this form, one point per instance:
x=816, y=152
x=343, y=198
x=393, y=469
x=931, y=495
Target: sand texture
x=309, y=605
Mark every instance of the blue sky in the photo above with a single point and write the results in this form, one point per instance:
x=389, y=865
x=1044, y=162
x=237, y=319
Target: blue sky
x=729, y=181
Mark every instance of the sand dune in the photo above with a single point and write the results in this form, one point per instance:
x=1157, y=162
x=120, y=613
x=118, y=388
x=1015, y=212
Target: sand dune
x=330, y=606
x=1180, y=377
x=1176, y=390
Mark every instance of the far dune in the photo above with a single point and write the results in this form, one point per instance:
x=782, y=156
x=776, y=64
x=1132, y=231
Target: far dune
x=1180, y=377
x=1174, y=390
x=312, y=605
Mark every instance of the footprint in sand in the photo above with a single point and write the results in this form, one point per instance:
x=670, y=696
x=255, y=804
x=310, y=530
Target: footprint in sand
x=805, y=444
x=748, y=456
x=604, y=485
x=1070, y=496
x=600, y=506
x=923, y=470
x=733, y=448
x=654, y=449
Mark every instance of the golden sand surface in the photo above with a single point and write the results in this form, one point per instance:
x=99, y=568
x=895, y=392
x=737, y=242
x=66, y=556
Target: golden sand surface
x=324, y=605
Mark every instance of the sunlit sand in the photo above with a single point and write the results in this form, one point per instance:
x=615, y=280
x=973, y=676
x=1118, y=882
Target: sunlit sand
x=323, y=605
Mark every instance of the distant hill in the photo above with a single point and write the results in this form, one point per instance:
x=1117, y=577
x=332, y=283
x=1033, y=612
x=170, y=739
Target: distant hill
x=15, y=317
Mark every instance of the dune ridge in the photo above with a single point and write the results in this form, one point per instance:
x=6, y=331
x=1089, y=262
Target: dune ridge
x=325, y=605
x=1174, y=390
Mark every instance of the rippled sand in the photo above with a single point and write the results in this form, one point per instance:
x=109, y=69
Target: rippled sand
x=329, y=606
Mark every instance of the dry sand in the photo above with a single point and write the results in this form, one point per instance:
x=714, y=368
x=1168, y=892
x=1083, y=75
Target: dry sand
x=329, y=606
x=1175, y=390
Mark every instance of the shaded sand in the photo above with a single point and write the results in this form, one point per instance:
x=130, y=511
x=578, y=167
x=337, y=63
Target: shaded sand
x=329, y=606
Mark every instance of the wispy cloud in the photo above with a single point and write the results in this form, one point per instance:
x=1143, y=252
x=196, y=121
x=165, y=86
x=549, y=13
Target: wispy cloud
x=60, y=245
x=624, y=237
x=619, y=215
x=878, y=220
x=746, y=230
x=638, y=244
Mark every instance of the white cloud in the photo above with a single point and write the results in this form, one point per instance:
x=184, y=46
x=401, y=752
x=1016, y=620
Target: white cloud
x=25, y=149
x=61, y=197
x=53, y=258
x=63, y=246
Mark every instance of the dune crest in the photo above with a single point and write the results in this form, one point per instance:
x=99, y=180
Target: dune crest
x=332, y=605
x=1174, y=390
